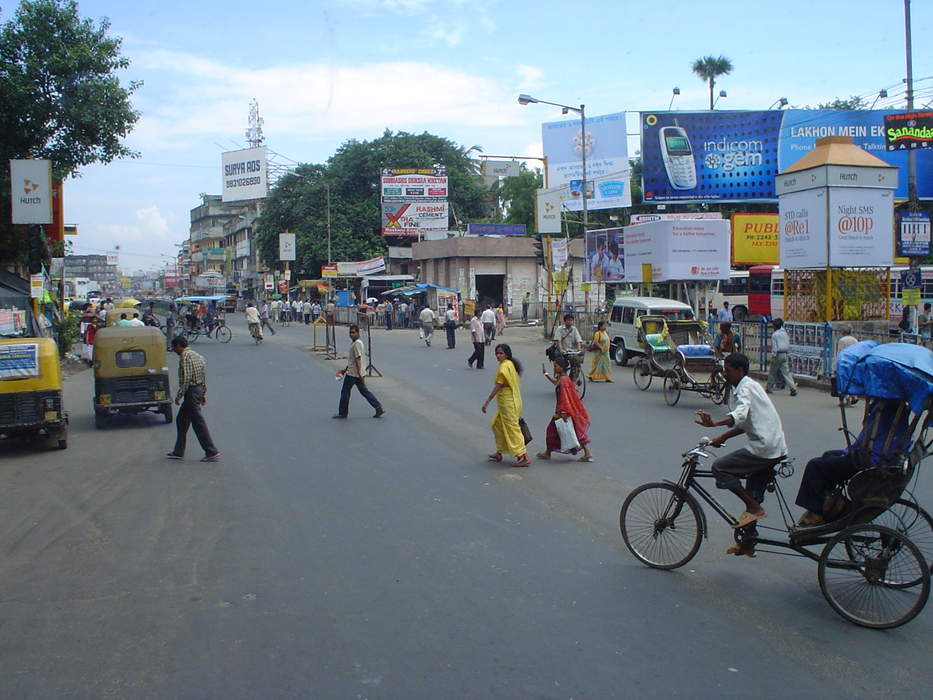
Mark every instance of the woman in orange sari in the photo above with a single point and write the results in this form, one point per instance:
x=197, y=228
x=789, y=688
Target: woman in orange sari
x=568, y=406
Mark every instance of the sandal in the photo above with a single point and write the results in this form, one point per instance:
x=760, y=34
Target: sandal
x=495, y=457
x=522, y=461
x=585, y=459
x=747, y=518
x=543, y=455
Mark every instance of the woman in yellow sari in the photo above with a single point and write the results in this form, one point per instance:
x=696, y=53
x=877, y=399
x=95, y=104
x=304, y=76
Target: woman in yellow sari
x=508, y=394
x=601, y=369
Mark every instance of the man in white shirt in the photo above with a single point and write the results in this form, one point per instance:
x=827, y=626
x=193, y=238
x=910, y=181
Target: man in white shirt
x=478, y=336
x=136, y=320
x=427, y=324
x=306, y=311
x=253, y=322
x=566, y=337
x=488, y=319
x=403, y=315
x=752, y=413
x=780, y=347
x=724, y=315
x=353, y=377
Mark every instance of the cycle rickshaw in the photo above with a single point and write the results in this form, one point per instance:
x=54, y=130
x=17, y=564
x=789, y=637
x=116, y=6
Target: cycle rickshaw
x=193, y=328
x=874, y=555
x=658, y=359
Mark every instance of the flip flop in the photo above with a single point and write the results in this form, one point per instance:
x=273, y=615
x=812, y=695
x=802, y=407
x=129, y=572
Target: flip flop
x=543, y=455
x=739, y=549
x=495, y=457
x=747, y=518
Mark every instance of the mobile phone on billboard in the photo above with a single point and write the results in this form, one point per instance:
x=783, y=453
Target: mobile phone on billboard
x=678, y=158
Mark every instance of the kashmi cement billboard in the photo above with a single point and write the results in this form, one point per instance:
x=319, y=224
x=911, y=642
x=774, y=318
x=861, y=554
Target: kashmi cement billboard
x=735, y=156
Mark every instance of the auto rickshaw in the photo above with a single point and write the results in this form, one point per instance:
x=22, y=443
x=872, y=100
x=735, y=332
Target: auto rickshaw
x=130, y=373
x=31, y=390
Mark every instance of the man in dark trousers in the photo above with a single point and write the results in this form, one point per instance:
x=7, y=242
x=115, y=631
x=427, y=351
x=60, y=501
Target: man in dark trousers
x=192, y=395
x=478, y=336
x=353, y=377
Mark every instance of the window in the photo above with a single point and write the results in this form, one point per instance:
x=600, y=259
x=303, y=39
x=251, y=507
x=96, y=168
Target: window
x=628, y=315
x=131, y=358
x=616, y=315
x=759, y=284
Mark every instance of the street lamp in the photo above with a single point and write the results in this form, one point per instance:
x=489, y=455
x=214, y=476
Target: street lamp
x=780, y=102
x=674, y=93
x=581, y=110
x=881, y=95
x=722, y=93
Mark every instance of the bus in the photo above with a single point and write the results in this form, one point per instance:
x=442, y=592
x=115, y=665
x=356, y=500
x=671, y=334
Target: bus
x=747, y=291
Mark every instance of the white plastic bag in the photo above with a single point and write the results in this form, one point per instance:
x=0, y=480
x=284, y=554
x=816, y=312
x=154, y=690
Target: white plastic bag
x=568, y=437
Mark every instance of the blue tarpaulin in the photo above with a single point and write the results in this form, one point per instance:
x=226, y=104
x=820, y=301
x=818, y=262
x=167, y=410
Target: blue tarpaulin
x=889, y=371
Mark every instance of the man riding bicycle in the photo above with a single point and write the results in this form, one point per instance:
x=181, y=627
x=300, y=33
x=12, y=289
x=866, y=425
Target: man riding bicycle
x=567, y=341
x=752, y=413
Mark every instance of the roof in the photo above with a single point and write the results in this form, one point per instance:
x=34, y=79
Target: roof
x=837, y=150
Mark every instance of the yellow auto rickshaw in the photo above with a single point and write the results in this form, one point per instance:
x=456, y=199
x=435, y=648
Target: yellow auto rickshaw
x=31, y=390
x=130, y=373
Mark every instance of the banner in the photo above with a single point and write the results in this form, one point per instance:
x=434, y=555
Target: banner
x=548, y=209
x=803, y=229
x=413, y=218
x=648, y=218
x=604, y=259
x=558, y=253
x=498, y=168
x=755, y=239
x=735, y=156
x=904, y=132
x=329, y=270
x=400, y=188
x=287, y=246
x=31, y=191
x=18, y=361
x=496, y=229
x=371, y=267
x=245, y=174
x=861, y=227
x=607, y=166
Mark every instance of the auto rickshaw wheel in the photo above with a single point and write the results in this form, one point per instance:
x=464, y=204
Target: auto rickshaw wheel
x=100, y=421
x=168, y=412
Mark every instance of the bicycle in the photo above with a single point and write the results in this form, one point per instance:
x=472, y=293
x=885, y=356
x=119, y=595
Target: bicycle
x=871, y=574
x=575, y=371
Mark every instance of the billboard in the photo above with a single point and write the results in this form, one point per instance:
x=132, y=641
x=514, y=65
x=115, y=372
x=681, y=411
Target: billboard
x=678, y=250
x=245, y=174
x=548, y=206
x=31, y=191
x=755, y=239
x=607, y=167
x=413, y=218
x=648, y=218
x=914, y=238
x=861, y=227
x=735, y=156
x=803, y=229
x=907, y=131
x=287, y=246
x=496, y=229
x=604, y=256
x=415, y=186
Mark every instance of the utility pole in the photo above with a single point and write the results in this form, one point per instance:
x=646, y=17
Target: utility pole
x=913, y=203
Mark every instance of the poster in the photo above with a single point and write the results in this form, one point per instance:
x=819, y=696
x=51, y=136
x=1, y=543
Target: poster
x=19, y=360
x=31, y=191
x=678, y=250
x=604, y=256
x=803, y=229
x=861, y=227
x=755, y=239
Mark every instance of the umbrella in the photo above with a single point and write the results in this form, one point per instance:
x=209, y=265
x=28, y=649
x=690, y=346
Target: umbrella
x=127, y=303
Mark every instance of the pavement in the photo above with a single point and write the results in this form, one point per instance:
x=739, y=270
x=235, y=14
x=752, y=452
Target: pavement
x=387, y=559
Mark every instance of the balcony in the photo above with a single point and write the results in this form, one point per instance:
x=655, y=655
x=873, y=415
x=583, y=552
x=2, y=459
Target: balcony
x=215, y=254
x=197, y=257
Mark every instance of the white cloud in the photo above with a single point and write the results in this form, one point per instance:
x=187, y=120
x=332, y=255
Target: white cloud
x=531, y=77
x=150, y=227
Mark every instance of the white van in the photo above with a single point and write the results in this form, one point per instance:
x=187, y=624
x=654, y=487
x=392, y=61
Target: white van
x=625, y=310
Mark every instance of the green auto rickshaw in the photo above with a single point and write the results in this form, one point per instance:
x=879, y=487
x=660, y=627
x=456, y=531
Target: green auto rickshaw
x=130, y=373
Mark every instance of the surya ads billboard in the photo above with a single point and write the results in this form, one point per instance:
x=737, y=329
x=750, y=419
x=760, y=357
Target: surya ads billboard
x=607, y=168
x=245, y=174
x=735, y=156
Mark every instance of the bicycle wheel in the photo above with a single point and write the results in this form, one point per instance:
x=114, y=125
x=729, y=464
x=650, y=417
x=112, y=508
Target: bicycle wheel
x=641, y=373
x=580, y=382
x=193, y=336
x=662, y=529
x=867, y=588
x=908, y=518
x=671, y=388
x=223, y=334
x=717, y=390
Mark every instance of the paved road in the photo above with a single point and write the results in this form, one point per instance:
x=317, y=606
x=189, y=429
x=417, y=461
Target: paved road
x=386, y=559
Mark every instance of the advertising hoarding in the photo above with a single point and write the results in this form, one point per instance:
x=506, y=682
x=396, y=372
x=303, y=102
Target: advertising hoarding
x=914, y=234
x=735, y=156
x=399, y=188
x=648, y=218
x=861, y=227
x=413, y=218
x=548, y=205
x=803, y=229
x=905, y=132
x=678, y=250
x=287, y=246
x=498, y=168
x=496, y=229
x=19, y=360
x=372, y=266
x=607, y=167
x=604, y=256
x=558, y=253
x=755, y=239
x=31, y=191
x=245, y=174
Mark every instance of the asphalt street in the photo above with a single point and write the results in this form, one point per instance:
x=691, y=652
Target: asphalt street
x=387, y=559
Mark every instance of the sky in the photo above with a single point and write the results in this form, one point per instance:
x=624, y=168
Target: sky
x=326, y=71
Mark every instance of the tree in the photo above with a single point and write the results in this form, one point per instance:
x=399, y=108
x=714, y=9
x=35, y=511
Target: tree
x=299, y=203
x=62, y=99
x=519, y=194
x=854, y=102
x=709, y=68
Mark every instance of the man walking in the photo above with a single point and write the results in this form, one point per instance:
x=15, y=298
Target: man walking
x=478, y=336
x=724, y=315
x=353, y=377
x=526, y=300
x=192, y=395
x=264, y=317
x=489, y=324
x=780, y=346
x=427, y=324
x=390, y=311
x=450, y=325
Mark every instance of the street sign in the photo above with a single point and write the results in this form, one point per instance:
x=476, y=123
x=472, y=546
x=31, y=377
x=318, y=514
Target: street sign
x=914, y=238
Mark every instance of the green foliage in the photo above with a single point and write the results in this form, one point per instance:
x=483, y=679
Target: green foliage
x=66, y=329
x=854, y=102
x=61, y=98
x=519, y=194
x=709, y=68
x=298, y=203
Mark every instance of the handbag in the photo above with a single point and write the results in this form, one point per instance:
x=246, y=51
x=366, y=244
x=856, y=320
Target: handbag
x=526, y=431
x=568, y=436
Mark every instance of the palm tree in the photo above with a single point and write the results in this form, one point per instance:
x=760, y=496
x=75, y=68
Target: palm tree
x=709, y=68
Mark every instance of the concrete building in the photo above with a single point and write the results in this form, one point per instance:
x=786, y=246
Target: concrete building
x=241, y=268
x=94, y=267
x=206, y=238
x=496, y=269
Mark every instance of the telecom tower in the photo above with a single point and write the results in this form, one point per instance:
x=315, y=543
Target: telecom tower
x=254, y=132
